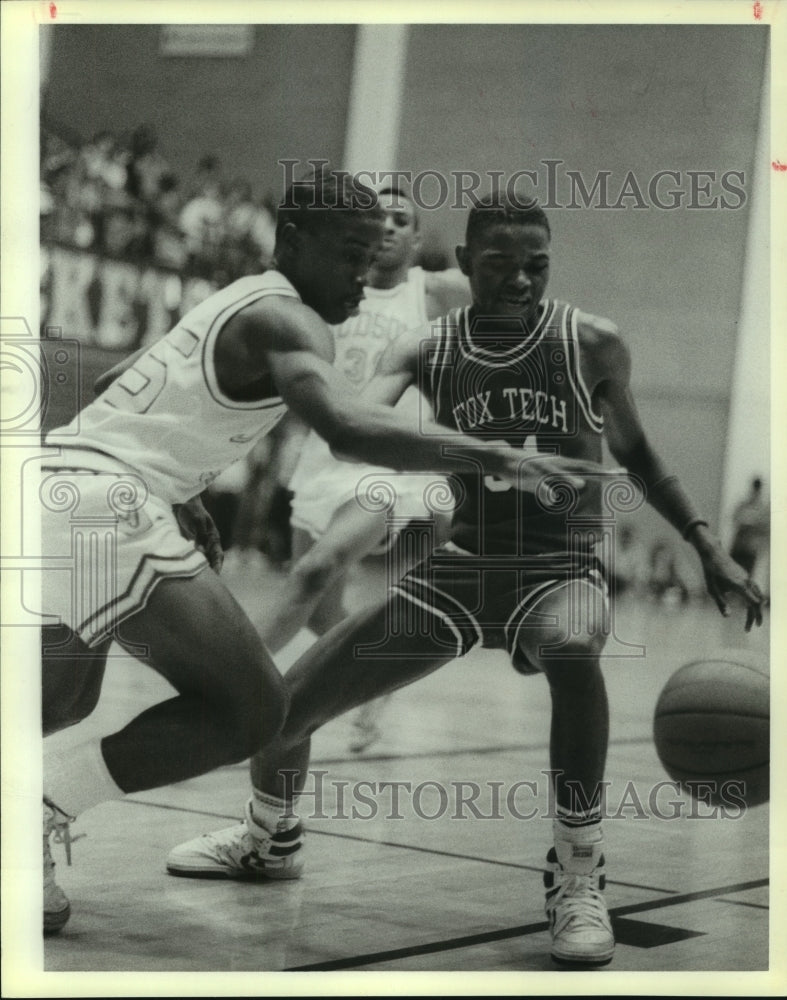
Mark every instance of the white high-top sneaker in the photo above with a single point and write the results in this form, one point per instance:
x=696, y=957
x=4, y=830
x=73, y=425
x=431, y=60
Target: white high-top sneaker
x=578, y=919
x=244, y=851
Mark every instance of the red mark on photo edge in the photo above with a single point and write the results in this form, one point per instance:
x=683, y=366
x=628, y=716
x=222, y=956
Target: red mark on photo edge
x=52, y=11
x=778, y=165
x=757, y=8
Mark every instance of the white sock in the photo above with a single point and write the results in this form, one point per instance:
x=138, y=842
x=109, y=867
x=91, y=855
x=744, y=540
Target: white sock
x=274, y=815
x=76, y=777
x=578, y=846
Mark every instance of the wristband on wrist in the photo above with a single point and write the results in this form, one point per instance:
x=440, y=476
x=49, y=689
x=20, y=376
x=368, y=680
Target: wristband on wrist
x=693, y=524
x=670, y=499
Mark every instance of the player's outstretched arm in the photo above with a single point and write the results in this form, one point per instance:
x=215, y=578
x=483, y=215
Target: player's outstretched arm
x=298, y=355
x=629, y=445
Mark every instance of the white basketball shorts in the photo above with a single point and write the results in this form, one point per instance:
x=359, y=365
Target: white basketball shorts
x=377, y=490
x=105, y=544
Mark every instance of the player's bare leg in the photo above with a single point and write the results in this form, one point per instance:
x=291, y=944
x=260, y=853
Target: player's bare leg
x=230, y=697
x=362, y=658
x=71, y=683
x=318, y=575
x=569, y=658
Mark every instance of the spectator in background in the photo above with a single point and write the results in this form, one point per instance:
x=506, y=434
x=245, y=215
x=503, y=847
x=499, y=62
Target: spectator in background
x=751, y=522
x=169, y=245
x=249, y=231
x=202, y=220
x=264, y=230
x=628, y=572
x=666, y=583
x=146, y=165
x=102, y=165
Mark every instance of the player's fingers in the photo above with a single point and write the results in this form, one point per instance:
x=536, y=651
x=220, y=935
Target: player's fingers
x=214, y=551
x=563, y=470
x=719, y=598
x=752, y=595
x=754, y=600
x=216, y=557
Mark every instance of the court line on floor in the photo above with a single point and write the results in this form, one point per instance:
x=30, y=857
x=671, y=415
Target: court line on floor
x=473, y=857
x=743, y=902
x=389, y=843
x=453, y=752
x=472, y=940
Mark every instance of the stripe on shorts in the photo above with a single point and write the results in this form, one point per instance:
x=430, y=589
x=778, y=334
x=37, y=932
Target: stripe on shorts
x=151, y=570
x=523, y=609
x=529, y=603
x=445, y=607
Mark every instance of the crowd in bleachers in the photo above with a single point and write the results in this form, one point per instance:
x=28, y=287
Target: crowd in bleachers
x=118, y=197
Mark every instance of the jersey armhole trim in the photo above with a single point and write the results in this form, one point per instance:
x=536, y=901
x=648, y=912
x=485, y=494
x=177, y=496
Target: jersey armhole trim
x=209, y=347
x=574, y=370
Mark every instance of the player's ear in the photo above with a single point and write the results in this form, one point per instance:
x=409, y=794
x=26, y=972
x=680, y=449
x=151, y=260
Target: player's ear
x=463, y=260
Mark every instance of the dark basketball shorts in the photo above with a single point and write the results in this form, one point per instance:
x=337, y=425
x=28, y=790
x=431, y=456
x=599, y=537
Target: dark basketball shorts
x=489, y=600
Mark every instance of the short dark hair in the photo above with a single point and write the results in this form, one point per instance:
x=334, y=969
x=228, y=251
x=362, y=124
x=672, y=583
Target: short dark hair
x=496, y=209
x=312, y=202
x=401, y=192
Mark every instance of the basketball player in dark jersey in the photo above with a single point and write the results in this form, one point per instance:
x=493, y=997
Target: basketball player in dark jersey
x=520, y=573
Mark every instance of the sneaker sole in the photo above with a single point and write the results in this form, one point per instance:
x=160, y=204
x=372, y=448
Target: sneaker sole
x=583, y=961
x=237, y=876
x=55, y=922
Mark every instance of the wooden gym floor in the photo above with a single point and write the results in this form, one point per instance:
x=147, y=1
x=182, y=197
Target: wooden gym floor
x=435, y=889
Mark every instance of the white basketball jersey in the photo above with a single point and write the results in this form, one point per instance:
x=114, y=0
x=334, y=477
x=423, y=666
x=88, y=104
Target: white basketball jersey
x=359, y=343
x=165, y=417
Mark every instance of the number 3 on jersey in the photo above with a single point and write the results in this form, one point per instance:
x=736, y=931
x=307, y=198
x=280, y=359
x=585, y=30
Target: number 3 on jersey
x=140, y=386
x=497, y=485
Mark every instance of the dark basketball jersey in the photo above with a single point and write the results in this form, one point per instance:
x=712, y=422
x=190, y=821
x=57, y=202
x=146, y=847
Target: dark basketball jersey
x=498, y=380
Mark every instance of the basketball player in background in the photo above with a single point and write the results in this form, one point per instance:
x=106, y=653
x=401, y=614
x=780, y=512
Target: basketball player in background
x=170, y=419
x=751, y=524
x=332, y=529
x=520, y=571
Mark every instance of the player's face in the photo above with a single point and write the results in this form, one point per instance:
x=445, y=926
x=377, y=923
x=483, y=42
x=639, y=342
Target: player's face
x=333, y=264
x=400, y=237
x=508, y=269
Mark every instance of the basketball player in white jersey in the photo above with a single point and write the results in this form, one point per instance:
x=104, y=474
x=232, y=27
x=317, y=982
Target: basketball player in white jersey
x=174, y=416
x=520, y=573
x=334, y=524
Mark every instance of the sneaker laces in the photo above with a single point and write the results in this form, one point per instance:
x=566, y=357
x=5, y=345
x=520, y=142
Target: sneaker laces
x=579, y=898
x=229, y=850
x=59, y=827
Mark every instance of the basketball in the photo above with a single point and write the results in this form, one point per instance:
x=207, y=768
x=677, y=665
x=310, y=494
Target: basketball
x=712, y=726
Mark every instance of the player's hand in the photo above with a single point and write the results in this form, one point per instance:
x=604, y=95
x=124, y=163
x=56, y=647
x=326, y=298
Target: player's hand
x=724, y=576
x=530, y=472
x=197, y=525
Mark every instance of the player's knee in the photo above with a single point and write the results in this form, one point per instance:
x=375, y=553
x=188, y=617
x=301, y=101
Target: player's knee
x=566, y=657
x=252, y=727
x=250, y=712
x=70, y=684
